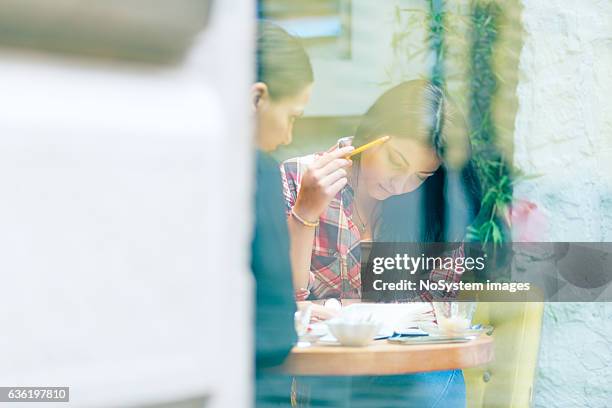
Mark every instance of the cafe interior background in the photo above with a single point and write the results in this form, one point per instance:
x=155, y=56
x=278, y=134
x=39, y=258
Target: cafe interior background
x=122, y=270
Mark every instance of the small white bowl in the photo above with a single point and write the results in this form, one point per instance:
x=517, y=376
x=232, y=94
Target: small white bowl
x=353, y=334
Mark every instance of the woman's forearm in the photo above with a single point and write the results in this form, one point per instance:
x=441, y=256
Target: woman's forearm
x=320, y=182
x=302, y=238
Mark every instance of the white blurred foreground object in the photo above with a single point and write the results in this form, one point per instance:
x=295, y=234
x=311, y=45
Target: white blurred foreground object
x=112, y=239
x=142, y=30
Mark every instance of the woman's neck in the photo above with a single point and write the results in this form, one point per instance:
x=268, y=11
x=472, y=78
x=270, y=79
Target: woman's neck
x=363, y=201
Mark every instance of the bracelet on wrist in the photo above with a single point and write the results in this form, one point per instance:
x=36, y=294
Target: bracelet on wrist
x=303, y=221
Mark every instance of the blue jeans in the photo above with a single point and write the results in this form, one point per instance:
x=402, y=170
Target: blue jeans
x=439, y=389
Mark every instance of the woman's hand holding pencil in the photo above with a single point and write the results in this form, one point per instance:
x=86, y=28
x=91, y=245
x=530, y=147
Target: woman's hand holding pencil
x=321, y=181
x=325, y=177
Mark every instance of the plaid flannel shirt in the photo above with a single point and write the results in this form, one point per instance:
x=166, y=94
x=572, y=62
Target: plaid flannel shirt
x=335, y=268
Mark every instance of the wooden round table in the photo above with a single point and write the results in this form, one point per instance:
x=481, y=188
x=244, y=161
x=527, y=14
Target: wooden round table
x=382, y=358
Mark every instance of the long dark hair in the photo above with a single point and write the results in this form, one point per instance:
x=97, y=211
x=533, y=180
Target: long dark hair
x=282, y=63
x=448, y=201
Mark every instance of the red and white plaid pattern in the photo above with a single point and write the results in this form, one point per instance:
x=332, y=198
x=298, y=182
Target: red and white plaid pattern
x=335, y=268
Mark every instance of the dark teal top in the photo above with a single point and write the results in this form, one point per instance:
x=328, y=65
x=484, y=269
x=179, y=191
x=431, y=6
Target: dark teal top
x=275, y=305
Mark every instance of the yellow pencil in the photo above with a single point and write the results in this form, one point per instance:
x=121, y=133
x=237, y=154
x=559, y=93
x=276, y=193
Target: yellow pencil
x=367, y=146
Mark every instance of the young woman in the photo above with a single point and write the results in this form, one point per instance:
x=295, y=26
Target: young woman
x=282, y=89
x=394, y=192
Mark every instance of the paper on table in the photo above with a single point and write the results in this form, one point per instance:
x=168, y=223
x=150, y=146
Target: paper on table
x=395, y=317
